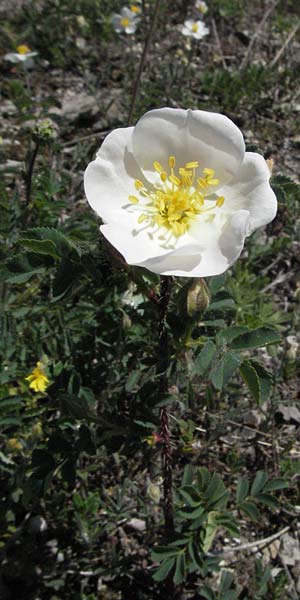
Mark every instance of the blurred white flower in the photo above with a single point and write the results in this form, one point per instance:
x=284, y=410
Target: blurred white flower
x=23, y=55
x=125, y=22
x=194, y=29
x=201, y=6
x=178, y=194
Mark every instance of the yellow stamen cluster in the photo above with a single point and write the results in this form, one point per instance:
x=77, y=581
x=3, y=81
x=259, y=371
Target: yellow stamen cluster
x=38, y=380
x=124, y=22
x=135, y=9
x=23, y=49
x=194, y=27
x=178, y=198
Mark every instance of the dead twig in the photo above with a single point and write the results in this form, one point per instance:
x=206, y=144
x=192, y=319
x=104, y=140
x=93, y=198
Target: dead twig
x=86, y=137
x=143, y=61
x=293, y=590
x=283, y=47
x=256, y=544
x=257, y=32
x=214, y=26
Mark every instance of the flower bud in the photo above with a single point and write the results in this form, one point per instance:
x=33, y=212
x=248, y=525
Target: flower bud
x=194, y=298
x=44, y=131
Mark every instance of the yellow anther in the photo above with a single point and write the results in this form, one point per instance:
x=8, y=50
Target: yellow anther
x=169, y=209
x=174, y=179
x=194, y=28
x=23, y=49
x=157, y=166
x=138, y=184
x=124, y=22
x=202, y=182
x=142, y=218
x=192, y=165
x=209, y=172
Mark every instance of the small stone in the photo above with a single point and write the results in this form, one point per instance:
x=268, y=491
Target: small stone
x=137, y=524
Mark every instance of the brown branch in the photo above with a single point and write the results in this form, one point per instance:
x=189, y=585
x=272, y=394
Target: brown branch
x=162, y=365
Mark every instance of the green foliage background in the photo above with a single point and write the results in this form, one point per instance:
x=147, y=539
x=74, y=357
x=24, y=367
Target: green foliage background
x=77, y=464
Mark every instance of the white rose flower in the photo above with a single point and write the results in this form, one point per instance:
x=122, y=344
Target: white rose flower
x=194, y=29
x=201, y=6
x=23, y=55
x=125, y=22
x=178, y=194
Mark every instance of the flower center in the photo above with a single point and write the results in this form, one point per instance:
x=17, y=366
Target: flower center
x=23, y=49
x=194, y=27
x=124, y=22
x=135, y=9
x=178, y=198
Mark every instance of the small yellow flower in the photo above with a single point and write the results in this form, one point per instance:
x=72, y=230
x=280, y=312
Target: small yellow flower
x=14, y=445
x=38, y=380
x=23, y=49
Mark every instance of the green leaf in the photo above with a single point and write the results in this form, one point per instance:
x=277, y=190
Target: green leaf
x=230, y=333
x=242, y=490
x=76, y=407
x=160, y=553
x=40, y=247
x=191, y=496
x=179, y=574
x=204, y=359
x=187, y=513
x=210, y=531
x=216, y=283
x=216, y=493
x=256, y=338
x=265, y=380
x=66, y=275
x=207, y=593
x=251, y=379
x=251, y=510
x=188, y=475
x=224, y=369
x=164, y=569
x=267, y=500
x=221, y=305
x=226, y=581
x=196, y=561
x=259, y=482
x=203, y=477
x=64, y=247
x=276, y=484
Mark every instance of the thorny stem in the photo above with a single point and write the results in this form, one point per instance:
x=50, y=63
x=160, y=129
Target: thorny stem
x=30, y=172
x=143, y=61
x=163, y=354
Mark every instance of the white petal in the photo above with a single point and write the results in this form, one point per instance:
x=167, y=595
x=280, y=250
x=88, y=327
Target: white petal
x=212, y=253
x=250, y=190
x=132, y=240
x=109, y=179
x=213, y=257
x=210, y=138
